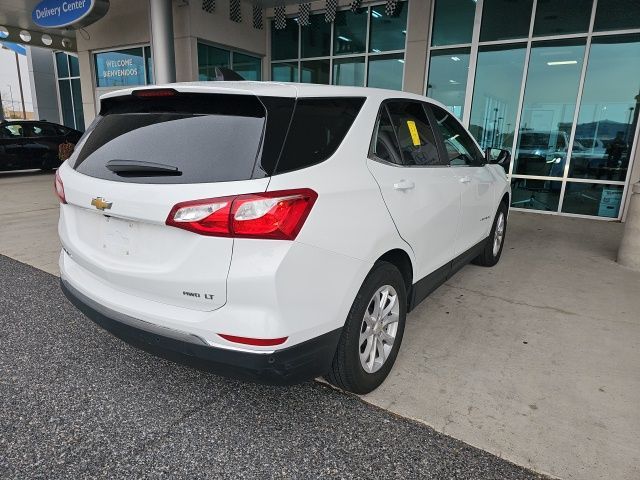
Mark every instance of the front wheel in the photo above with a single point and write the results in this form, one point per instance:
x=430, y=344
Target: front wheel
x=493, y=247
x=372, y=333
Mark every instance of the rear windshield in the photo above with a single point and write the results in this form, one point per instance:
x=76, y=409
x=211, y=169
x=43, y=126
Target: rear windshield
x=205, y=138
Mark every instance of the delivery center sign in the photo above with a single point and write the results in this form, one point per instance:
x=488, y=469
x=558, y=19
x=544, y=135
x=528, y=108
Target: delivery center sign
x=68, y=13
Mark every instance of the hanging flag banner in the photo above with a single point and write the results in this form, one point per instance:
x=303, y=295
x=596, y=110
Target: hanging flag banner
x=330, y=11
x=303, y=15
x=68, y=13
x=279, y=17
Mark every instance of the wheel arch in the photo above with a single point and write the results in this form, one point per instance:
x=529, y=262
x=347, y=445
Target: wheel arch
x=402, y=261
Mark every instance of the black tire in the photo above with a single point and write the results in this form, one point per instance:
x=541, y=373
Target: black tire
x=346, y=370
x=488, y=258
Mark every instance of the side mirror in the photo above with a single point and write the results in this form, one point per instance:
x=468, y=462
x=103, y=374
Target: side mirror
x=498, y=156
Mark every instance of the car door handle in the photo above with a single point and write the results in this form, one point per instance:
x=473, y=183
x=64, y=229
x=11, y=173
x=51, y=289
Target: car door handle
x=465, y=179
x=404, y=185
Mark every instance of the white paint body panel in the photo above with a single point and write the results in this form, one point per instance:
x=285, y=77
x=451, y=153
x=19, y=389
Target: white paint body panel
x=270, y=288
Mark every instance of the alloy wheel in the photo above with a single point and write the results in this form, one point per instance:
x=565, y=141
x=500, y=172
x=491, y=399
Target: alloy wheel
x=378, y=329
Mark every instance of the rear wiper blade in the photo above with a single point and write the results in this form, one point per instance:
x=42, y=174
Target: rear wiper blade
x=139, y=167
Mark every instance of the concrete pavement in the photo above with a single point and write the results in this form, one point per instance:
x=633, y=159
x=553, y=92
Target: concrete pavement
x=534, y=360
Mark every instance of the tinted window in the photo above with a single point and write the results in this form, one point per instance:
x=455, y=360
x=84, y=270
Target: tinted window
x=12, y=130
x=414, y=135
x=458, y=143
x=41, y=130
x=209, y=138
x=385, y=145
x=318, y=127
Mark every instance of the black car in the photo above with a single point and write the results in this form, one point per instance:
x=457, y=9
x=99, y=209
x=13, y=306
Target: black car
x=26, y=144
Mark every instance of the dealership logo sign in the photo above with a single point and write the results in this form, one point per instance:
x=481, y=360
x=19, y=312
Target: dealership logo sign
x=64, y=13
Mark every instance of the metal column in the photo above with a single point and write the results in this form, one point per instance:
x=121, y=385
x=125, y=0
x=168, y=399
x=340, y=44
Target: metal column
x=164, y=58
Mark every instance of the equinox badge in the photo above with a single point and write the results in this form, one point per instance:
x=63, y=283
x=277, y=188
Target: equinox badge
x=100, y=203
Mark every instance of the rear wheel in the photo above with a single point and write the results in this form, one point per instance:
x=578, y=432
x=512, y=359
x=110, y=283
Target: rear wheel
x=493, y=247
x=372, y=333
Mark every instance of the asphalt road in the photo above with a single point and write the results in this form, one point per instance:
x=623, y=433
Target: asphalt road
x=76, y=402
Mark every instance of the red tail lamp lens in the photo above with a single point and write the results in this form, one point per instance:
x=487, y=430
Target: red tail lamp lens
x=276, y=215
x=59, y=188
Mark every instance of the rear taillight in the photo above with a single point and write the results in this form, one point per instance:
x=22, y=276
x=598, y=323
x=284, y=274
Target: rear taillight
x=272, y=215
x=155, y=92
x=59, y=188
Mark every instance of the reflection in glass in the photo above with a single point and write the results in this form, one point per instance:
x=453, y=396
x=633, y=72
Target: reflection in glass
x=385, y=71
x=284, y=43
x=453, y=22
x=592, y=199
x=557, y=18
x=609, y=109
x=209, y=58
x=448, y=71
x=617, y=15
x=315, y=71
x=249, y=67
x=149, y=65
x=350, y=32
x=505, y=19
x=284, y=72
x=535, y=194
x=315, y=38
x=349, y=71
x=388, y=32
x=496, y=93
x=549, y=106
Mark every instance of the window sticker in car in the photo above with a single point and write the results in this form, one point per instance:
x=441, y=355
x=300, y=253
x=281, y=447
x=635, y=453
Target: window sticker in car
x=413, y=130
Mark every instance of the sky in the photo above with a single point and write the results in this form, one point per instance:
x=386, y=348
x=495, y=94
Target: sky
x=9, y=77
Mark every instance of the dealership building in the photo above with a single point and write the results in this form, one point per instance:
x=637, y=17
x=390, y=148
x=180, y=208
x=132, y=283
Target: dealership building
x=555, y=82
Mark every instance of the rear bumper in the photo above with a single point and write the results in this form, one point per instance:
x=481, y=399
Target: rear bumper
x=288, y=366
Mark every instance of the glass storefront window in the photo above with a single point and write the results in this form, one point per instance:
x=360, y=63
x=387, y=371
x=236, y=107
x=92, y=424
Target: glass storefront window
x=535, y=194
x=249, y=67
x=314, y=71
x=284, y=72
x=315, y=38
x=505, y=19
x=595, y=199
x=448, y=70
x=385, y=71
x=558, y=18
x=547, y=113
x=209, y=58
x=62, y=65
x=349, y=60
x=66, y=103
x=609, y=110
x=453, y=22
x=388, y=33
x=70, y=93
x=120, y=68
x=495, y=95
x=284, y=43
x=350, y=32
x=617, y=15
x=349, y=71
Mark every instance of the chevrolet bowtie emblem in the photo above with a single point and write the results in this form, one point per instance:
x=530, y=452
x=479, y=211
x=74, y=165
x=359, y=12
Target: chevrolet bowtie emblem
x=101, y=204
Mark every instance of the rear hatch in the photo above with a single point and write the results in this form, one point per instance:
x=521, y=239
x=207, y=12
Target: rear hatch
x=143, y=155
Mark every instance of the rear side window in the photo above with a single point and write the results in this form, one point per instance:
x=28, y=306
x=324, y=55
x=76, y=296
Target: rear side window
x=317, y=129
x=199, y=138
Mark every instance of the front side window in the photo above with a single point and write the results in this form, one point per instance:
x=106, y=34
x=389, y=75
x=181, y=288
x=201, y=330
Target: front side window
x=414, y=135
x=459, y=145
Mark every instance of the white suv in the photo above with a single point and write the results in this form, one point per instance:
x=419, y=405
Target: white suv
x=273, y=231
